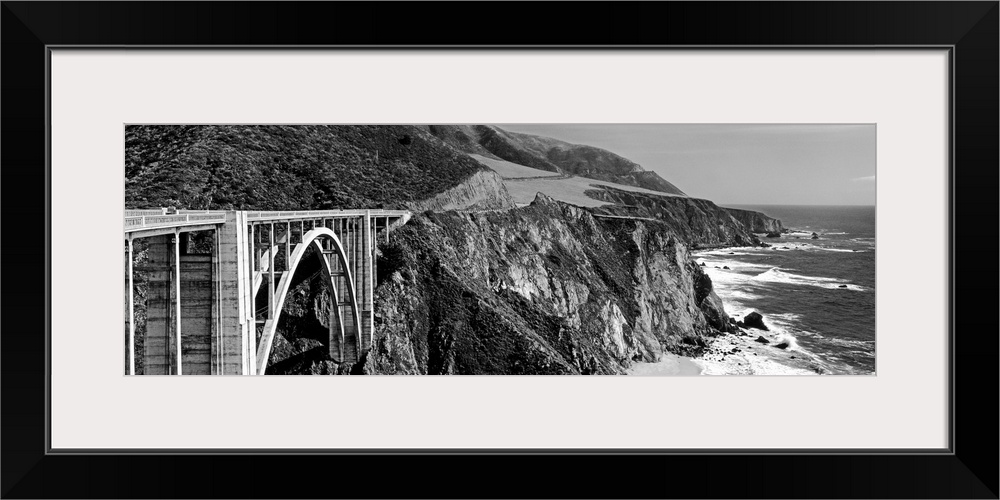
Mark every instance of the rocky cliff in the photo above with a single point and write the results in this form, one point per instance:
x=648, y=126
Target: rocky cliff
x=546, y=288
x=756, y=221
x=483, y=190
x=697, y=221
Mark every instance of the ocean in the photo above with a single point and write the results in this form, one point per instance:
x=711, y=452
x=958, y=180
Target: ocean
x=818, y=295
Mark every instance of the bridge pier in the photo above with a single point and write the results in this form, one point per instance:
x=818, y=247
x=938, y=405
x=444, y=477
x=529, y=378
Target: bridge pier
x=238, y=333
x=365, y=287
x=158, y=349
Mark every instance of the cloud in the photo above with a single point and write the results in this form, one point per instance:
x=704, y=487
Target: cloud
x=870, y=178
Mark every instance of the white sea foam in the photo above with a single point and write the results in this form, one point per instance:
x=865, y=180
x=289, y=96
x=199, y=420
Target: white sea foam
x=733, y=265
x=776, y=275
x=737, y=286
x=728, y=251
x=808, y=247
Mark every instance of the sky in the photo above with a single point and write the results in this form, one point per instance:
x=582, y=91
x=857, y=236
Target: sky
x=752, y=164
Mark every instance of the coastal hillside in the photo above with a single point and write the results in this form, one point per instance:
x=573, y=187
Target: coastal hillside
x=699, y=222
x=299, y=168
x=542, y=289
x=545, y=153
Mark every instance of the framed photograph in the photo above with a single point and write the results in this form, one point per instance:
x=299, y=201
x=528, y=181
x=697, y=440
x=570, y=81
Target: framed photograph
x=652, y=248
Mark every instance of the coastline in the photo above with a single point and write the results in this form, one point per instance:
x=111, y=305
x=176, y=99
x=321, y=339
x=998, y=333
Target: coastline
x=732, y=354
x=737, y=353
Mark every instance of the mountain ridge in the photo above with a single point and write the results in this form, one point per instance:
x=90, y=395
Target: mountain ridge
x=553, y=155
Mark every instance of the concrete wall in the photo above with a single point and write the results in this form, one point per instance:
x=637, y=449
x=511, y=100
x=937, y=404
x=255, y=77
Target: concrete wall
x=158, y=346
x=196, y=313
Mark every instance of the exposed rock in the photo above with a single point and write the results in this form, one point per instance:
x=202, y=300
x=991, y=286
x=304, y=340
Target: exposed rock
x=694, y=220
x=579, y=294
x=725, y=267
x=842, y=286
x=815, y=236
x=756, y=221
x=762, y=340
x=773, y=234
x=483, y=190
x=755, y=320
x=783, y=345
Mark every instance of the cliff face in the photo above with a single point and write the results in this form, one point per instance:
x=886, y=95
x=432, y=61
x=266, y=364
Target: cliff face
x=698, y=221
x=756, y=221
x=547, y=288
x=483, y=190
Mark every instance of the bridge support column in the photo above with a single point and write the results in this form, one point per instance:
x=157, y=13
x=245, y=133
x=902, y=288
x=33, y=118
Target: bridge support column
x=235, y=291
x=196, y=291
x=158, y=352
x=130, y=308
x=366, y=295
x=351, y=345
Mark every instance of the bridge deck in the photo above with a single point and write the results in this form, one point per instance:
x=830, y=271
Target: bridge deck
x=154, y=221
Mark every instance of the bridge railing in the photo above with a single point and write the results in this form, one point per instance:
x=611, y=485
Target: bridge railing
x=137, y=223
x=144, y=212
x=307, y=214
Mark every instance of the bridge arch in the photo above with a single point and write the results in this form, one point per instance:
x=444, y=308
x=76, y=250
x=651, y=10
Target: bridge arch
x=313, y=238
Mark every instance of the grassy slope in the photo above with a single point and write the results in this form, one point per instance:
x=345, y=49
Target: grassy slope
x=523, y=183
x=552, y=155
x=287, y=167
x=511, y=170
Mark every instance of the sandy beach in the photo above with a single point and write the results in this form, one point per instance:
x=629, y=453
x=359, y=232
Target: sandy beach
x=732, y=355
x=668, y=365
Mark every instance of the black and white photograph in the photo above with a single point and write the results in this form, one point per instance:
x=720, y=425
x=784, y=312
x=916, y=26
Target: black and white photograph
x=741, y=231
x=500, y=249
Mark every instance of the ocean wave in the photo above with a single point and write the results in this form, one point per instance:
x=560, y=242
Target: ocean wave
x=785, y=327
x=728, y=251
x=776, y=275
x=809, y=247
x=732, y=277
x=732, y=264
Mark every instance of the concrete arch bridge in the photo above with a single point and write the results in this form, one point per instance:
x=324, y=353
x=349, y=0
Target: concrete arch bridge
x=213, y=308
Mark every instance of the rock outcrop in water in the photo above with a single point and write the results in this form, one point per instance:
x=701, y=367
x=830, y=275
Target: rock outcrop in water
x=546, y=288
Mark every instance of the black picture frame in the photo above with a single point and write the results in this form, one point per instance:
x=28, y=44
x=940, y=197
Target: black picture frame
x=968, y=469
